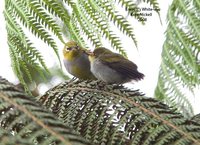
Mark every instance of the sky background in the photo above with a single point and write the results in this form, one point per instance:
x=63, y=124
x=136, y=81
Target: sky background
x=150, y=39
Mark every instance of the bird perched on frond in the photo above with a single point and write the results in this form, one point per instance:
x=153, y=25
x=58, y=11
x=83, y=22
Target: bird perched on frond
x=113, y=68
x=76, y=61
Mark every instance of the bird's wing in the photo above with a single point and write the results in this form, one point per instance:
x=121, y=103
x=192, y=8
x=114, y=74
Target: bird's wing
x=121, y=65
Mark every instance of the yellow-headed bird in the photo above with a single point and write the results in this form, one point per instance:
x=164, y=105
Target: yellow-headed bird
x=76, y=61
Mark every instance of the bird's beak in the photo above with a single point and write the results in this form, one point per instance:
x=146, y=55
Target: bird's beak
x=90, y=53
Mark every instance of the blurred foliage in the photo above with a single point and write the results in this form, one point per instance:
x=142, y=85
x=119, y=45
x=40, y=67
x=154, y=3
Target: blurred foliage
x=180, y=67
x=46, y=78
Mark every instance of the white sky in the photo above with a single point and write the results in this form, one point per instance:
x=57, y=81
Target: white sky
x=150, y=39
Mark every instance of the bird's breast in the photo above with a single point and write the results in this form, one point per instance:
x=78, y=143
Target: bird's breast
x=104, y=72
x=79, y=67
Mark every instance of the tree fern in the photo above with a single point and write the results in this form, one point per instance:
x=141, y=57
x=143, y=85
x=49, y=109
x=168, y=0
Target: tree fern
x=102, y=114
x=8, y=139
x=196, y=118
x=39, y=13
x=112, y=114
x=49, y=20
x=25, y=121
x=180, y=69
x=130, y=7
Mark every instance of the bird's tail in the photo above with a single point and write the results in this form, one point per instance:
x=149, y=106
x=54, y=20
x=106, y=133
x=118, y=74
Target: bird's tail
x=137, y=76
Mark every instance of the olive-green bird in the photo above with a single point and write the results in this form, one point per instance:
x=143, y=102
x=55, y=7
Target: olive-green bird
x=113, y=68
x=76, y=61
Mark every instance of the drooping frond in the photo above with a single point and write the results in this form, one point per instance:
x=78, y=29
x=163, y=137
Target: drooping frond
x=22, y=51
x=180, y=67
x=25, y=121
x=43, y=17
x=155, y=5
x=112, y=114
x=131, y=7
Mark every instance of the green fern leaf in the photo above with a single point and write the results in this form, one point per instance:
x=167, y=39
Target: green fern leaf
x=25, y=119
x=39, y=13
x=113, y=114
x=180, y=68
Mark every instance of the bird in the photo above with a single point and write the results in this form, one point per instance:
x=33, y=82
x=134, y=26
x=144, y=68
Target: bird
x=113, y=68
x=76, y=61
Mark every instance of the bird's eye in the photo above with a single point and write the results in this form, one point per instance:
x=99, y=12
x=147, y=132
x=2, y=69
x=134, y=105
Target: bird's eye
x=69, y=48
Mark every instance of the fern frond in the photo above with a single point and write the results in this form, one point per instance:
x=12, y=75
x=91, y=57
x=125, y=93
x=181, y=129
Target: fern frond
x=83, y=20
x=197, y=5
x=41, y=33
x=113, y=114
x=40, y=14
x=32, y=51
x=196, y=118
x=76, y=33
x=34, y=26
x=115, y=41
x=180, y=68
x=16, y=64
x=190, y=16
x=118, y=19
x=8, y=139
x=130, y=7
x=56, y=8
x=155, y=5
x=22, y=49
x=175, y=96
x=22, y=116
